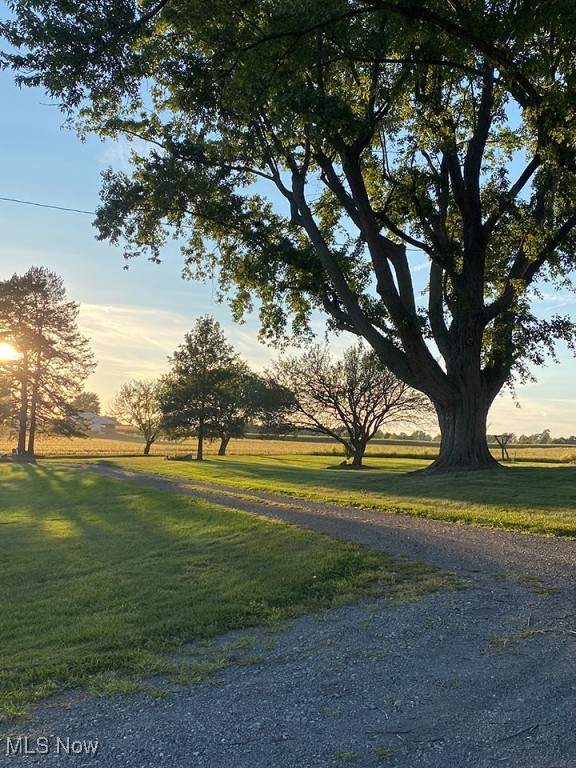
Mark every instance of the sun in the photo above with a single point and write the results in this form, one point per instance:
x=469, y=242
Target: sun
x=7, y=352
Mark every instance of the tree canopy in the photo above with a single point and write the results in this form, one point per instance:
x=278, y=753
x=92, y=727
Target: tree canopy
x=87, y=402
x=303, y=151
x=347, y=399
x=55, y=359
x=204, y=395
x=137, y=403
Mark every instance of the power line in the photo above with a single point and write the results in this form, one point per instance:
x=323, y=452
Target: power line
x=93, y=213
x=44, y=205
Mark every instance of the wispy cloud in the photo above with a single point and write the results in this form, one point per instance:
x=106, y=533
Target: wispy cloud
x=533, y=415
x=134, y=342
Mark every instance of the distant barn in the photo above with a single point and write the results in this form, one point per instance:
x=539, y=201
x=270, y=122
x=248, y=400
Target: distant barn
x=96, y=423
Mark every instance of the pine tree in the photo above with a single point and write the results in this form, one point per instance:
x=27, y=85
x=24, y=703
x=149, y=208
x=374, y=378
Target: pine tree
x=41, y=324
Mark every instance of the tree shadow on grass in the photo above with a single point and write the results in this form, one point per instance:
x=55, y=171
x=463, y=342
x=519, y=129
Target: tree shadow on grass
x=552, y=488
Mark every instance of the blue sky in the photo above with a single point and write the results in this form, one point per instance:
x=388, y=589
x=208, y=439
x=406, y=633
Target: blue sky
x=136, y=318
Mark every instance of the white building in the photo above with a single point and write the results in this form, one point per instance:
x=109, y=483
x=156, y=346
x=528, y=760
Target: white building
x=96, y=423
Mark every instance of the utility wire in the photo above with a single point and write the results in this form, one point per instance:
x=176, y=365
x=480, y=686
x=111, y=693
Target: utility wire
x=43, y=205
x=89, y=213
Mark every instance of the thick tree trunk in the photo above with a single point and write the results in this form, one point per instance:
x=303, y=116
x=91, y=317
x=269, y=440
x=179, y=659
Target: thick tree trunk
x=223, y=445
x=463, y=445
x=147, y=447
x=32, y=427
x=23, y=410
x=358, y=455
x=200, y=448
x=23, y=419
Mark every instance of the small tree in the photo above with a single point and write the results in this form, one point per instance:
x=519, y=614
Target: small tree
x=348, y=400
x=87, y=402
x=270, y=406
x=202, y=395
x=137, y=404
x=232, y=407
x=55, y=359
x=544, y=437
x=248, y=398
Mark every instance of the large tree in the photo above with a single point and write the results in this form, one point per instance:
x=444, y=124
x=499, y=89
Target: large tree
x=137, y=403
x=204, y=394
x=386, y=127
x=38, y=321
x=347, y=399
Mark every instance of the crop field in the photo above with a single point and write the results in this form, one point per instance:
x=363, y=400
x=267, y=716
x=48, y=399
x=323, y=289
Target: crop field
x=132, y=444
x=128, y=442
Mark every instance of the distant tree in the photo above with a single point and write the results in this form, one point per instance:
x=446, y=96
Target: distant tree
x=421, y=436
x=251, y=399
x=87, y=402
x=349, y=399
x=55, y=359
x=232, y=408
x=203, y=396
x=137, y=404
x=270, y=406
x=544, y=437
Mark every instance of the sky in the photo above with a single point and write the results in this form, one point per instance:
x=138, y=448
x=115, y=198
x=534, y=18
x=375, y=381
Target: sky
x=136, y=318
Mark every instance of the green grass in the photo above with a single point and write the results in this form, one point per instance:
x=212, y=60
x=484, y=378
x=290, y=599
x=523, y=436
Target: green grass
x=102, y=581
x=535, y=498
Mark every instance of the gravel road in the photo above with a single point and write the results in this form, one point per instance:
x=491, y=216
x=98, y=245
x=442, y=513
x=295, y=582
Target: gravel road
x=483, y=676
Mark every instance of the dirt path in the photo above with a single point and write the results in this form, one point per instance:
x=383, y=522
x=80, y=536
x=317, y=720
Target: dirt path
x=480, y=677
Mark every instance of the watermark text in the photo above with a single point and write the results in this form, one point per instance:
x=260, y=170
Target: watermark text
x=44, y=745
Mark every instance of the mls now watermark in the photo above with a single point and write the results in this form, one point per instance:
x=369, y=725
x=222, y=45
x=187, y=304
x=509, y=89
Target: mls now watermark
x=44, y=745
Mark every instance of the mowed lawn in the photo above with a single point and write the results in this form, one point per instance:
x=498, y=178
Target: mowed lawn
x=534, y=498
x=101, y=580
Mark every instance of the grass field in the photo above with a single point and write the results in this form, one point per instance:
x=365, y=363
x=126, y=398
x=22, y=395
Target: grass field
x=534, y=499
x=101, y=582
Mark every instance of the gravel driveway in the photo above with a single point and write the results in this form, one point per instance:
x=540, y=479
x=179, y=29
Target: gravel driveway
x=483, y=676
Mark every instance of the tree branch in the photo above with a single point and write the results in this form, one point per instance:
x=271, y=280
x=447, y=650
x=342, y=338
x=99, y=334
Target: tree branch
x=436, y=310
x=508, y=200
x=525, y=92
x=144, y=19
